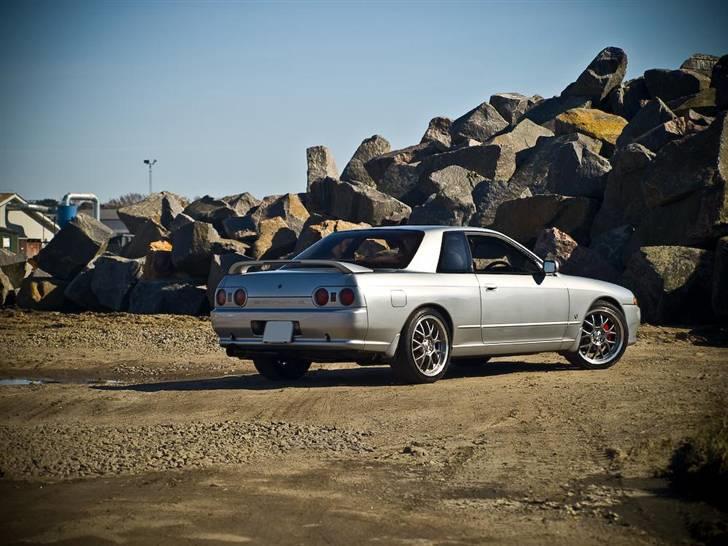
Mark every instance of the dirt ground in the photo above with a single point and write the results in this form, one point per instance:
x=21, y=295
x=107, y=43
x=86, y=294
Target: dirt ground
x=139, y=430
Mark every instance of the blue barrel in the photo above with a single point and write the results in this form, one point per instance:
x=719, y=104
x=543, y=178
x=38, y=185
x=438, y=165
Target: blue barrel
x=65, y=213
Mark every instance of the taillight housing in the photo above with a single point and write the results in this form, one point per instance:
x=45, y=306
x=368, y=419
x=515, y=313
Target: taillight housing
x=240, y=297
x=346, y=296
x=321, y=297
x=220, y=297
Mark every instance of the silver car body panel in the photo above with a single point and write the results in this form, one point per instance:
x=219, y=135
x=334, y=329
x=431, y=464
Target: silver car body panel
x=489, y=314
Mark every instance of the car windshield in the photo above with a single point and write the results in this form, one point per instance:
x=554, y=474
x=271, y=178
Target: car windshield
x=375, y=249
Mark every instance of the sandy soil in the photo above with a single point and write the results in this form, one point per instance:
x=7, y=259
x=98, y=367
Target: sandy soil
x=147, y=433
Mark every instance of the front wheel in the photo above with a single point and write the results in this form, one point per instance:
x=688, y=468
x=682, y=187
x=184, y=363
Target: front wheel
x=281, y=369
x=424, y=348
x=603, y=338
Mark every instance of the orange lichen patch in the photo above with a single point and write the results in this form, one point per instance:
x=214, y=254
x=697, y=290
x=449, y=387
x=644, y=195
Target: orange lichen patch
x=162, y=245
x=590, y=122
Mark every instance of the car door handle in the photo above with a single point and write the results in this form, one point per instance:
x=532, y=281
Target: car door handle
x=490, y=286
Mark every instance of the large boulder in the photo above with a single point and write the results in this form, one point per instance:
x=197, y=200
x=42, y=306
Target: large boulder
x=449, y=200
x=671, y=283
x=401, y=181
x=573, y=258
x=168, y=297
x=241, y=203
x=512, y=106
x=180, y=220
x=626, y=100
x=674, y=129
x=546, y=110
x=158, y=262
x=80, y=293
x=74, y=246
x=703, y=102
x=480, y=124
x=438, y=132
x=523, y=219
x=557, y=155
x=288, y=206
x=112, y=280
x=672, y=84
x=578, y=171
x=719, y=81
x=700, y=62
x=7, y=290
x=356, y=203
x=317, y=228
x=15, y=266
x=369, y=148
x=719, y=293
x=42, y=292
x=160, y=207
x=192, y=248
x=275, y=239
x=611, y=245
x=377, y=166
x=219, y=267
x=488, y=195
x=591, y=122
x=624, y=202
x=604, y=73
x=319, y=164
x=651, y=115
x=683, y=166
x=139, y=245
x=506, y=147
x=211, y=210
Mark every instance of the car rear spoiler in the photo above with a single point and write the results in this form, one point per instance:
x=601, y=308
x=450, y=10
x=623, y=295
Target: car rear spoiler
x=240, y=268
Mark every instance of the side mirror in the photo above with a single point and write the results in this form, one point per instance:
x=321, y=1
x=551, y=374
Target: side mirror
x=550, y=267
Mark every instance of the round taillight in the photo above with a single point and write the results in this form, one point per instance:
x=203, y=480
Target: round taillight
x=221, y=297
x=346, y=296
x=240, y=297
x=321, y=296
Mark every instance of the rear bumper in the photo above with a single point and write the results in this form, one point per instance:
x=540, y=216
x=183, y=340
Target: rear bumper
x=633, y=317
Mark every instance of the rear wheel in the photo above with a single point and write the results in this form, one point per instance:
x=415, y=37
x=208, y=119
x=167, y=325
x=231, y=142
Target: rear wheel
x=424, y=348
x=281, y=369
x=603, y=338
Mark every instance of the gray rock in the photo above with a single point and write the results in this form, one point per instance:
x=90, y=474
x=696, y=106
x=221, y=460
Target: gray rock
x=672, y=283
x=700, y=62
x=401, y=181
x=703, y=102
x=512, y=106
x=611, y=245
x=573, y=258
x=168, y=297
x=481, y=158
x=7, y=291
x=719, y=293
x=674, y=129
x=651, y=115
x=80, y=293
x=488, y=195
x=449, y=201
x=160, y=207
x=523, y=219
x=180, y=220
x=507, y=146
x=672, y=84
x=689, y=164
x=241, y=203
x=15, y=266
x=626, y=100
x=377, y=166
x=719, y=81
x=438, y=132
x=275, y=239
x=112, y=280
x=319, y=164
x=577, y=171
x=42, y=293
x=624, y=202
x=604, y=73
x=192, y=248
x=211, y=210
x=544, y=112
x=318, y=227
x=219, y=267
x=73, y=247
x=356, y=203
x=288, y=206
x=481, y=123
x=139, y=245
x=369, y=148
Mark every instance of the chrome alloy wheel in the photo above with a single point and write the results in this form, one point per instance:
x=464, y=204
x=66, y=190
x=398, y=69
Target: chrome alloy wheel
x=602, y=337
x=429, y=345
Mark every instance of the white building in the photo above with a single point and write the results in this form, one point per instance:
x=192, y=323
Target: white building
x=22, y=229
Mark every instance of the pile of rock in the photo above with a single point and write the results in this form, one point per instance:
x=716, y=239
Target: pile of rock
x=618, y=180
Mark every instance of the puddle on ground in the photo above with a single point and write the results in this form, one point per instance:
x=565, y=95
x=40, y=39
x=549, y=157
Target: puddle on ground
x=14, y=381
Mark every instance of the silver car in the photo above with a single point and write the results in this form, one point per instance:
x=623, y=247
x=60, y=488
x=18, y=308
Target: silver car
x=417, y=298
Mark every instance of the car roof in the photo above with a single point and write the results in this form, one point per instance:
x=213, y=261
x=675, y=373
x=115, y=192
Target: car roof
x=427, y=229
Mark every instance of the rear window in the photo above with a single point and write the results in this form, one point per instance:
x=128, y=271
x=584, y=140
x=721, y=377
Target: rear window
x=375, y=249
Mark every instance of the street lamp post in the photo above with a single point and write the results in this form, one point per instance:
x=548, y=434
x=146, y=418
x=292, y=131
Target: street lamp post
x=150, y=163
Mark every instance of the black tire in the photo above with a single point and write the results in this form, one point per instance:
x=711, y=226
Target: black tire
x=620, y=326
x=470, y=361
x=281, y=369
x=405, y=366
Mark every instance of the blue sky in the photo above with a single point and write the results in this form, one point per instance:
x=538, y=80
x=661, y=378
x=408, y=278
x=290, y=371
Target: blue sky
x=228, y=95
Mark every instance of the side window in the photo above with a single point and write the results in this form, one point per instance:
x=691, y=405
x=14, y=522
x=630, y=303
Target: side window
x=494, y=255
x=454, y=254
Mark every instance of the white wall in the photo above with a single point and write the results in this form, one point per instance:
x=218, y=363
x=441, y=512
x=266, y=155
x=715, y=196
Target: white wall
x=32, y=228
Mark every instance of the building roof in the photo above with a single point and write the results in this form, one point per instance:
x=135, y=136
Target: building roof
x=37, y=215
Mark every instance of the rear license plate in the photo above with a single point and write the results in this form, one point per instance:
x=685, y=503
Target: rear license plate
x=278, y=331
